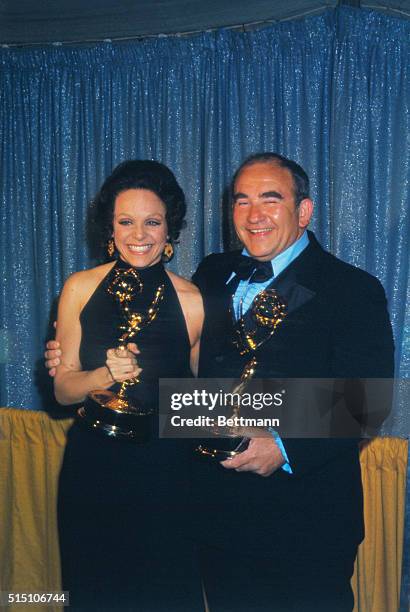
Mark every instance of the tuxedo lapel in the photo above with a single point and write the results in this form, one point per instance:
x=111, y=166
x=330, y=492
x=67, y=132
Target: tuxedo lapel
x=297, y=284
x=291, y=291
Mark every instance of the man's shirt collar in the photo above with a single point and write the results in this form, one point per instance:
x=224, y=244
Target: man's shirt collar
x=282, y=261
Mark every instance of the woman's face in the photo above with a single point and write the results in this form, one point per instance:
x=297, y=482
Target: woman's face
x=140, y=227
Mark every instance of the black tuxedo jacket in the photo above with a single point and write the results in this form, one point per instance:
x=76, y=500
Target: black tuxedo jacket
x=337, y=326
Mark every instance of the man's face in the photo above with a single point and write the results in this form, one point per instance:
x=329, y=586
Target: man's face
x=265, y=215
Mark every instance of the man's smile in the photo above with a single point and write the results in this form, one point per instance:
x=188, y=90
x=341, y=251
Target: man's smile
x=260, y=231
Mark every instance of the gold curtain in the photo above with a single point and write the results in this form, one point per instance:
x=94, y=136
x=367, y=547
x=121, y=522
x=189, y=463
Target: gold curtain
x=31, y=451
x=376, y=581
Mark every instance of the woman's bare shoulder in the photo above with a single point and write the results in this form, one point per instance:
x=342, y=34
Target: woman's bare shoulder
x=90, y=275
x=82, y=284
x=184, y=286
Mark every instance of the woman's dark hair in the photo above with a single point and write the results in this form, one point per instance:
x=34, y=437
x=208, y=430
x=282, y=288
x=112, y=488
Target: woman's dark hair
x=136, y=174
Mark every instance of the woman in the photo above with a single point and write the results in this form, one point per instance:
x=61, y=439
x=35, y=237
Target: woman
x=122, y=505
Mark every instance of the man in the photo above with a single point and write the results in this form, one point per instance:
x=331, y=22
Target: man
x=287, y=541
x=279, y=524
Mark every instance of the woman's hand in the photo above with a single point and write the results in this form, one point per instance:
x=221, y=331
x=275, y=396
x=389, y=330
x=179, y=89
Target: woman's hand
x=122, y=363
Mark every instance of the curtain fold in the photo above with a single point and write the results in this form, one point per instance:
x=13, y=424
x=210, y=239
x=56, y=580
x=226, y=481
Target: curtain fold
x=332, y=92
x=31, y=451
x=377, y=578
x=405, y=574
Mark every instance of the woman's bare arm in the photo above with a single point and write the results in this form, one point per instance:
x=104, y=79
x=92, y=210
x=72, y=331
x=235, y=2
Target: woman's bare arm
x=71, y=383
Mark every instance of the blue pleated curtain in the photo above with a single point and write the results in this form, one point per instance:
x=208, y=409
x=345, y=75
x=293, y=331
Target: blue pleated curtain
x=332, y=92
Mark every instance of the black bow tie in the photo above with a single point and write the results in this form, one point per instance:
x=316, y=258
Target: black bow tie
x=257, y=271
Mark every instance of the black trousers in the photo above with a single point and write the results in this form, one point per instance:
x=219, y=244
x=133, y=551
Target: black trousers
x=297, y=581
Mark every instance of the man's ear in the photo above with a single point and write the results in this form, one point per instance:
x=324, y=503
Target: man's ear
x=305, y=212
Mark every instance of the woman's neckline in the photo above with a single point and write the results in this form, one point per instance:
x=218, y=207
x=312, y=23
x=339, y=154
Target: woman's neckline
x=144, y=272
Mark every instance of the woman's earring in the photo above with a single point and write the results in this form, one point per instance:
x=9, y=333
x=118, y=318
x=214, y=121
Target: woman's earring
x=110, y=247
x=168, y=251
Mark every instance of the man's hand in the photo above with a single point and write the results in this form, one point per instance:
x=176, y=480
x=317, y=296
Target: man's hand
x=52, y=356
x=263, y=457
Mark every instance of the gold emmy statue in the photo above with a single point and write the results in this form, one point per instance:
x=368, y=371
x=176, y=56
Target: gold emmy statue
x=115, y=414
x=268, y=311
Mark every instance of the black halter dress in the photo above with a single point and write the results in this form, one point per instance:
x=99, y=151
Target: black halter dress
x=123, y=506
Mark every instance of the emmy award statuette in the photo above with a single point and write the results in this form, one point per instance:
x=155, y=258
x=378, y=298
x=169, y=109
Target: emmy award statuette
x=268, y=311
x=115, y=414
